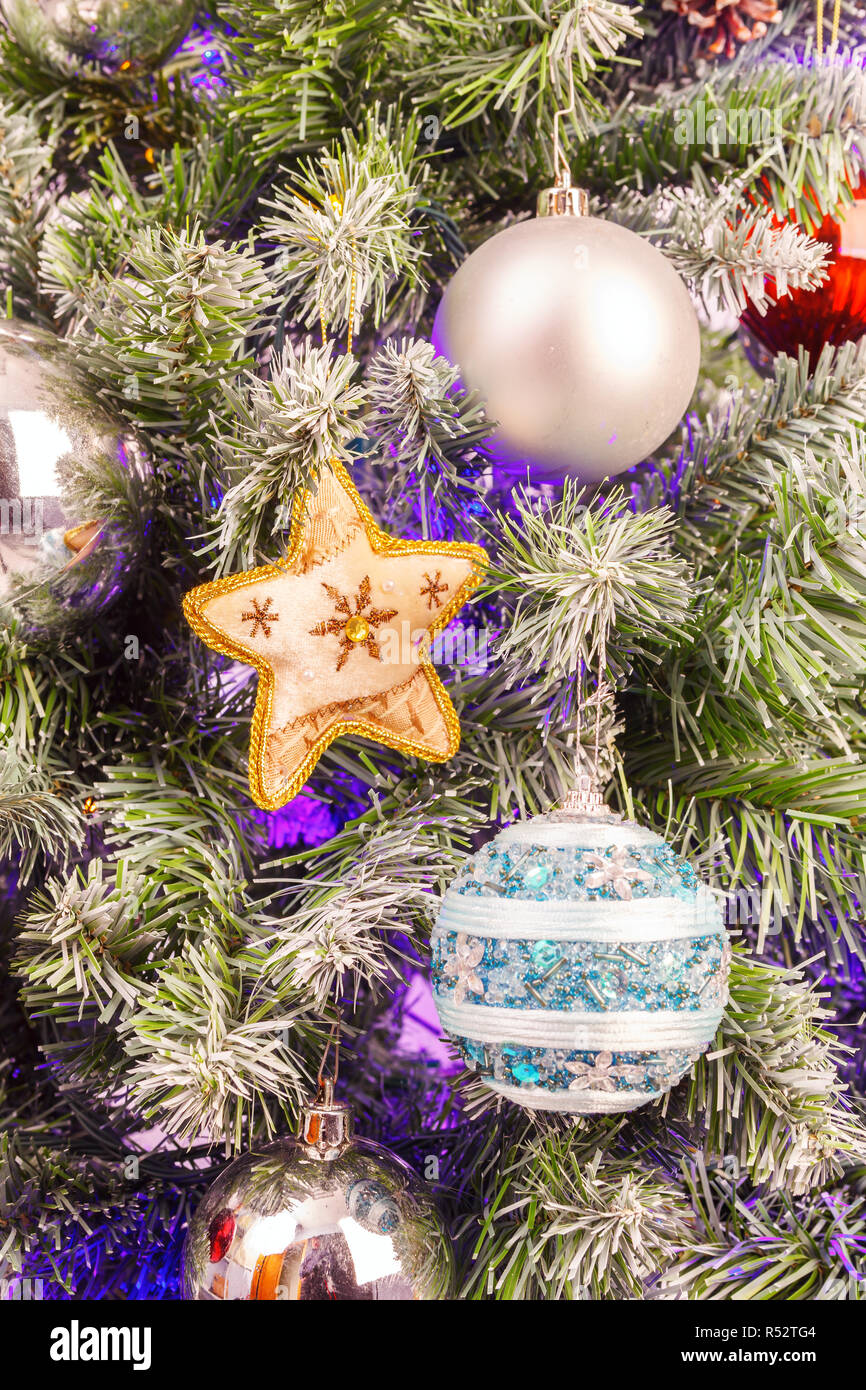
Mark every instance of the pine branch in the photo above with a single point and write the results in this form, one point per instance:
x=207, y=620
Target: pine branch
x=36, y=820
x=475, y=63
x=345, y=223
x=794, y=125
x=284, y=429
x=80, y=944
x=294, y=66
x=770, y=1248
x=27, y=147
x=363, y=903
x=583, y=575
x=724, y=248
x=429, y=431
x=164, y=335
x=207, y=1061
x=565, y=1224
x=47, y=1192
x=769, y=1090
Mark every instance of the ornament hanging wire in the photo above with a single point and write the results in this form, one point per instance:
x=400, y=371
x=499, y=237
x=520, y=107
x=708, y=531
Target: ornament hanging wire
x=337, y=204
x=561, y=171
x=563, y=199
x=326, y=1084
x=585, y=797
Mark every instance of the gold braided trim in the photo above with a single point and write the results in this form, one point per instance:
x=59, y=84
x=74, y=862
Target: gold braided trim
x=263, y=794
x=300, y=720
x=322, y=538
x=436, y=733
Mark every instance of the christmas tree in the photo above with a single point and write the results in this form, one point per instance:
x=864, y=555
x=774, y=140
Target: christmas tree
x=224, y=240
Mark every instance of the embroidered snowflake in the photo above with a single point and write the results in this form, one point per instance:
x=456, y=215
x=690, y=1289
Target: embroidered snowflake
x=617, y=869
x=601, y=1075
x=355, y=626
x=260, y=616
x=461, y=967
x=433, y=589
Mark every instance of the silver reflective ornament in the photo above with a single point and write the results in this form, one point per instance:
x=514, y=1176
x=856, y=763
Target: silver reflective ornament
x=51, y=428
x=98, y=38
x=580, y=338
x=323, y=1216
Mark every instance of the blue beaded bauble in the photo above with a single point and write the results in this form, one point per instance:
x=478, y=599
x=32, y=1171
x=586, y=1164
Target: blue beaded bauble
x=580, y=964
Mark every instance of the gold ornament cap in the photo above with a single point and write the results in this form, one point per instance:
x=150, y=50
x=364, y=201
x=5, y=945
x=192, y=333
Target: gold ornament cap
x=563, y=200
x=327, y=1126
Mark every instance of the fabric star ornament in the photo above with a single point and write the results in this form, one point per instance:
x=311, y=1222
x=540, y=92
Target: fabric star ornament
x=339, y=632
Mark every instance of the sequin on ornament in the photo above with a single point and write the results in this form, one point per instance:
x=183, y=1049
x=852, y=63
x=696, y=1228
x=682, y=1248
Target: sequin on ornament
x=685, y=974
x=555, y=1069
x=460, y=967
x=542, y=873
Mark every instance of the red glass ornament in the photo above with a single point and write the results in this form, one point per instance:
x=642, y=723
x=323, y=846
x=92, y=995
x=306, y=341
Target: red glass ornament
x=220, y=1233
x=835, y=312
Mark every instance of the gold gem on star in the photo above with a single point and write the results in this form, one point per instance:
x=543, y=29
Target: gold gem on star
x=341, y=661
x=354, y=628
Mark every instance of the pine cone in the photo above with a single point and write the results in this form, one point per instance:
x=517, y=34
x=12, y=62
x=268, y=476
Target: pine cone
x=727, y=21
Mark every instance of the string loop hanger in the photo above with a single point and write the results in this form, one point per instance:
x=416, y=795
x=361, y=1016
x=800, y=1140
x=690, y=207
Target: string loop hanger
x=819, y=25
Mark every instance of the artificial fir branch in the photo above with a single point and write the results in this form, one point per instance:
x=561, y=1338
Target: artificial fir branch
x=344, y=226
x=771, y=1248
x=76, y=1190
x=429, y=433
x=769, y=1089
x=81, y=942
x=292, y=69
x=584, y=573
x=478, y=66
x=725, y=247
x=204, y=1059
x=26, y=153
x=37, y=816
x=795, y=127
x=368, y=907
x=285, y=428
x=156, y=333
x=570, y=1224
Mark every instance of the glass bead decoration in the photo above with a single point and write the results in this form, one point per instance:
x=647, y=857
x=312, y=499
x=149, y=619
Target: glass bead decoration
x=580, y=964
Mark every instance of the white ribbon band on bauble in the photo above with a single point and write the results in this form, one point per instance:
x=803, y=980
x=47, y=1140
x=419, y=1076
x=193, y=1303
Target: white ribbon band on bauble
x=638, y=1031
x=588, y=1102
x=599, y=919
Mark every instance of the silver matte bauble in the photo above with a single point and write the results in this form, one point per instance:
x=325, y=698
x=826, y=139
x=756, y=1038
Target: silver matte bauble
x=51, y=427
x=93, y=39
x=581, y=340
x=321, y=1217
